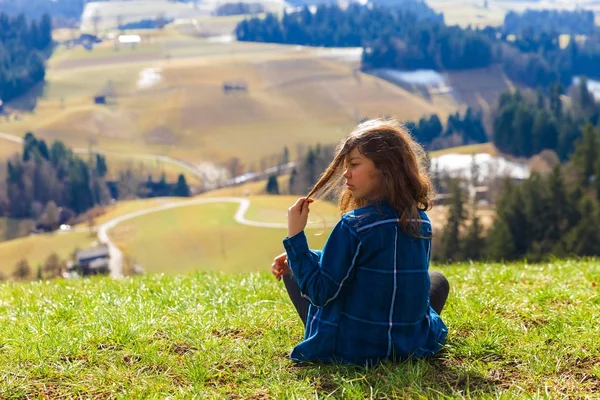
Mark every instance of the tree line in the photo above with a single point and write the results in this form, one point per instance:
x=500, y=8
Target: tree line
x=576, y=22
x=459, y=130
x=24, y=47
x=552, y=215
x=392, y=37
x=525, y=124
x=332, y=26
x=44, y=178
x=64, y=12
x=396, y=38
x=538, y=60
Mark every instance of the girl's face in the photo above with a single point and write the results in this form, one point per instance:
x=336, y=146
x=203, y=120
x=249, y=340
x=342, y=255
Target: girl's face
x=363, y=179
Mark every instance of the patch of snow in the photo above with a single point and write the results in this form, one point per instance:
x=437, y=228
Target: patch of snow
x=592, y=85
x=489, y=166
x=220, y=39
x=420, y=77
x=212, y=173
x=346, y=54
x=149, y=77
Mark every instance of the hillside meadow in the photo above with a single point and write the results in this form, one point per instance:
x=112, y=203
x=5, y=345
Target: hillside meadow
x=169, y=100
x=173, y=241
x=183, y=239
x=515, y=331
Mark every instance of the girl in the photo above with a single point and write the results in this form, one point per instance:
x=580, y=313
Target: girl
x=368, y=296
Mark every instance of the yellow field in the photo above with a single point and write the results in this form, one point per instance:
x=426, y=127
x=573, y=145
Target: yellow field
x=250, y=188
x=472, y=12
x=479, y=88
x=203, y=237
x=469, y=12
x=294, y=97
x=487, y=148
x=37, y=248
x=130, y=206
x=7, y=149
x=13, y=228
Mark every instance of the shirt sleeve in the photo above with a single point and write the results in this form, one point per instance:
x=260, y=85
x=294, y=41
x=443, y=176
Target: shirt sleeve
x=321, y=277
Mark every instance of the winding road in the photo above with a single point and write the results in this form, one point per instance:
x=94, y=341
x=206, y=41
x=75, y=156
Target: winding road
x=116, y=257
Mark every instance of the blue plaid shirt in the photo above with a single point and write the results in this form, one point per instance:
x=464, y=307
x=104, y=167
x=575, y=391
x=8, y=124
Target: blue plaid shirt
x=368, y=289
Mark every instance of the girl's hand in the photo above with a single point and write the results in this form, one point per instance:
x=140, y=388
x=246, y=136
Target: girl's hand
x=297, y=216
x=280, y=266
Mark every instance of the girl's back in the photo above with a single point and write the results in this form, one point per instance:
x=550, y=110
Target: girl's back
x=383, y=310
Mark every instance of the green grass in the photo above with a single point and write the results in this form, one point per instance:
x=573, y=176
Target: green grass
x=515, y=331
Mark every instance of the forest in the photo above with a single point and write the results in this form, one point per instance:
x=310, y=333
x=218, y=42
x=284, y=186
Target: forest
x=45, y=174
x=393, y=37
x=24, y=48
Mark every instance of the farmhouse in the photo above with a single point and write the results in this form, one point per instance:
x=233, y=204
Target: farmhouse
x=94, y=261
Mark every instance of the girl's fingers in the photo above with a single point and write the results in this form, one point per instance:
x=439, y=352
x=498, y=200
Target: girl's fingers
x=299, y=204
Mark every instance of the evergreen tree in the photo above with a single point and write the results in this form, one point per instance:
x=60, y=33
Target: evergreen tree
x=451, y=237
x=272, y=185
x=536, y=210
x=500, y=244
x=286, y=156
x=181, y=188
x=586, y=154
x=293, y=180
x=584, y=239
x=559, y=206
x=508, y=238
x=101, y=167
x=555, y=101
x=473, y=244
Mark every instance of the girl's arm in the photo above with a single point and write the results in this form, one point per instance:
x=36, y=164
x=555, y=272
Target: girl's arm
x=322, y=276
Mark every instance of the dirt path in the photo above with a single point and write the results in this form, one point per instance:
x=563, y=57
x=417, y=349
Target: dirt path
x=116, y=257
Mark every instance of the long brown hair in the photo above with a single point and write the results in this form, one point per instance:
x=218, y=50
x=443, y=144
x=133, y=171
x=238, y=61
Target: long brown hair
x=406, y=185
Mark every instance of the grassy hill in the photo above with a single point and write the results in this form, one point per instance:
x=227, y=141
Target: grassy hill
x=515, y=331
x=170, y=99
x=206, y=236
x=175, y=240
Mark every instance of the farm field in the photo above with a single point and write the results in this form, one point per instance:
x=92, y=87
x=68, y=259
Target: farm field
x=11, y=228
x=192, y=230
x=473, y=12
x=177, y=106
x=36, y=248
x=174, y=241
x=7, y=149
x=487, y=148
